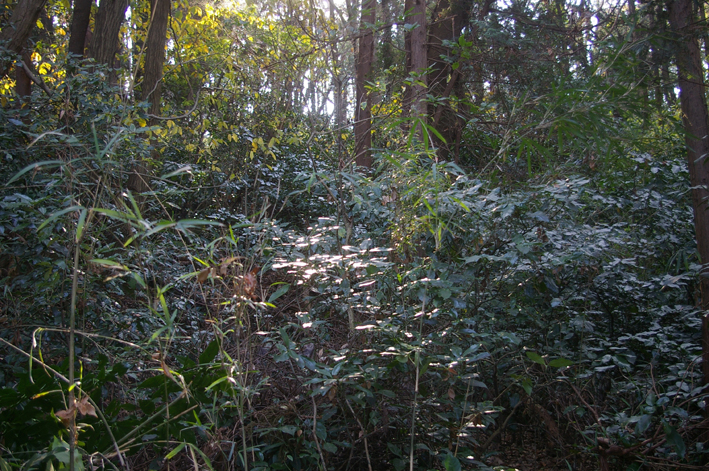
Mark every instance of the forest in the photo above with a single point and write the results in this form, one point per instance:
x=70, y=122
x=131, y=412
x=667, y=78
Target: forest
x=377, y=235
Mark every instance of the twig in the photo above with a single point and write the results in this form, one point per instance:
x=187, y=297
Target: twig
x=501, y=428
x=366, y=446
x=36, y=79
x=64, y=379
x=315, y=433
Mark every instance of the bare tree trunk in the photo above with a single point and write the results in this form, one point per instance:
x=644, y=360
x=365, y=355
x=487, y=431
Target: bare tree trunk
x=152, y=80
x=107, y=25
x=79, y=27
x=155, y=54
x=419, y=58
x=23, y=82
x=363, y=105
x=694, y=115
x=447, y=22
x=15, y=33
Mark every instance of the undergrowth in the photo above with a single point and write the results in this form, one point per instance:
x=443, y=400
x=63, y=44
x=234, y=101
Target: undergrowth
x=422, y=318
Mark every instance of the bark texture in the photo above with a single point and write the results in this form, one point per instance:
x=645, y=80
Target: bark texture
x=447, y=22
x=104, y=41
x=363, y=105
x=694, y=114
x=23, y=82
x=152, y=81
x=416, y=57
x=15, y=33
x=155, y=54
x=79, y=27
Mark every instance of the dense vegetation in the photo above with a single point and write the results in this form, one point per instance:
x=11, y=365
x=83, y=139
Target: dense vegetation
x=239, y=240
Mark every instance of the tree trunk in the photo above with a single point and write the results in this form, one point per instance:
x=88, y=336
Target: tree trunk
x=155, y=54
x=419, y=58
x=152, y=80
x=23, y=82
x=363, y=105
x=107, y=25
x=447, y=22
x=79, y=27
x=15, y=33
x=694, y=115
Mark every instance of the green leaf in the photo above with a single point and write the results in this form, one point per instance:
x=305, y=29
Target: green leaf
x=283, y=289
x=675, y=440
x=560, y=362
x=330, y=447
x=139, y=280
x=217, y=382
x=36, y=166
x=116, y=214
x=179, y=171
x=56, y=214
x=185, y=224
x=451, y=463
x=209, y=353
x=527, y=385
x=80, y=224
x=643, y=424
x=207, y=462
x=175, y=451
x=536, y=358
x=289, y=429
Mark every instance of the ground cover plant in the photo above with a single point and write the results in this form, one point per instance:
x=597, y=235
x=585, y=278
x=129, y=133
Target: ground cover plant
x=497, y=265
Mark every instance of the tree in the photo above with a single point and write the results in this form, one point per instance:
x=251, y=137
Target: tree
x=79, y=27
x=152, y=81
x=155, y=54
x=363, y=104
x=107, y=25
x=447, y=22
x=694, y=116
x=416, y=58
x=14, y=35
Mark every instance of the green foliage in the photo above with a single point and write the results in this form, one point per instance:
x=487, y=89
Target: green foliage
x=266, y=306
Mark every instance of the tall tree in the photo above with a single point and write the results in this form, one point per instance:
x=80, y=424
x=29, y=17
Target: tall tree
x=14, y=35
x=363, y=105
x=80, y=20
x=416, y=58
x=448, y=19
x=23, y=80
x=155, y=54
x=152, y=79
x=107, y=25
x=694, y=115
